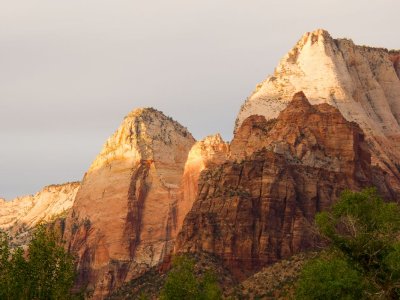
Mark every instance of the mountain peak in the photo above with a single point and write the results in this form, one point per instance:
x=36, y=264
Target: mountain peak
x=361, y=82
x=140, y=133
x=300, y=97
x=132, y=197
x=315, y=36
x=213, y=139
x=141, y=111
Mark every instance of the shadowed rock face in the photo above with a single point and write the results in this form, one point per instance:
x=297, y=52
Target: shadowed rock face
x=124, y=219
x=362, y=82
x=258, y=207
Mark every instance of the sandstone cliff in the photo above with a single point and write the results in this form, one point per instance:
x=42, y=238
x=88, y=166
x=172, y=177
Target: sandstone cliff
x=362, y=82
x=258, y=207
x=19, y=216
x=209, y=152
x=124, y=219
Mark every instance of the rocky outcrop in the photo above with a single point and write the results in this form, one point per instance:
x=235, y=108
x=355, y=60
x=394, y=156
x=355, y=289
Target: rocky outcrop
x=19, y=216
x=360, y=81
x=258, y=207
x=124, y=219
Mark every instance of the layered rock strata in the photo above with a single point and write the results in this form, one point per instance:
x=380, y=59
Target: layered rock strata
x=259, y=206
x=362, y=82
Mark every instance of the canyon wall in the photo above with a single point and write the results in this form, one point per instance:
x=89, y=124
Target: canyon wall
x=259, y=206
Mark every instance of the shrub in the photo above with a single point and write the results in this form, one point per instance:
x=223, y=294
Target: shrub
x=182, y=282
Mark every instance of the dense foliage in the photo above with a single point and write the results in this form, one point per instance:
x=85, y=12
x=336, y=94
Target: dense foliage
x=183, y=283
x=363, y=260
x=44, y=271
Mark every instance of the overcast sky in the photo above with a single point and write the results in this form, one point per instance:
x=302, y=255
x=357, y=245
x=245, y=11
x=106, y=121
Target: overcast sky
x=70, y=70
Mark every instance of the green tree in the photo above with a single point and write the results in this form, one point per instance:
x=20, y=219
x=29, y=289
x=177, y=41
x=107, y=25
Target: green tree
x=51, y=268
x=44, y=271
x=209, y=287
x=4, y=266
x=182, y=282
x=363, y=233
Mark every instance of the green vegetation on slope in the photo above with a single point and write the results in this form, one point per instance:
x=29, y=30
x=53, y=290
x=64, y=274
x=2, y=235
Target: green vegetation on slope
x=182, y=282
x=201, y=266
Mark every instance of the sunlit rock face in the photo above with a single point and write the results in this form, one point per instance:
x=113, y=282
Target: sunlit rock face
x=20, y=215
x=259, y=205
x=125, y=217
x=206, y=153
x=362, y=82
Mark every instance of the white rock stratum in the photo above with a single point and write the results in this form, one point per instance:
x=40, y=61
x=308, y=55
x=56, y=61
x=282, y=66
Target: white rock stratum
x=20, y=215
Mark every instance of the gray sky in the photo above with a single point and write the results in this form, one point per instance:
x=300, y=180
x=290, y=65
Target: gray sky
x=71, y=70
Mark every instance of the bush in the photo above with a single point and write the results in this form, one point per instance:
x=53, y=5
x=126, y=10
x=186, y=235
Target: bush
x=182, y=282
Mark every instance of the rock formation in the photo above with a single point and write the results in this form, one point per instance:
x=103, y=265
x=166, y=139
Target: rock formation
x=258, y=207
x=19, y=216
x=209, y=152
x=360, y=81
x=124, y=219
